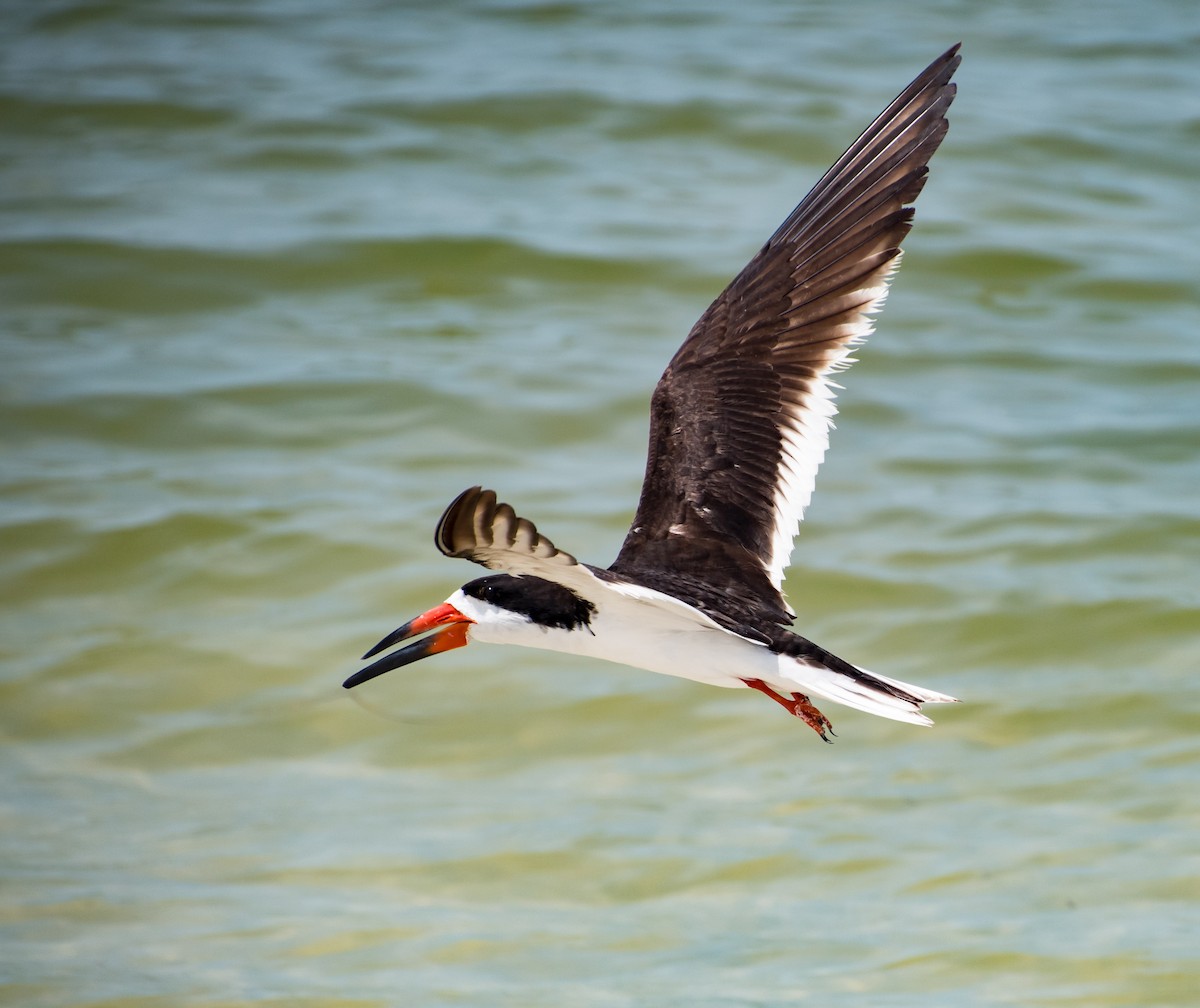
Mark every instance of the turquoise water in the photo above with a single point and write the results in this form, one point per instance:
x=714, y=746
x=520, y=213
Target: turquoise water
x=278, y=280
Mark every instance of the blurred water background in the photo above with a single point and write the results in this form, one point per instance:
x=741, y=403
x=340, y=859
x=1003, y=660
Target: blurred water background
x=278, y=279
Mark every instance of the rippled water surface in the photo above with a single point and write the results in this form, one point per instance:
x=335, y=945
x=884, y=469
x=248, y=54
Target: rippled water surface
x=277, y=280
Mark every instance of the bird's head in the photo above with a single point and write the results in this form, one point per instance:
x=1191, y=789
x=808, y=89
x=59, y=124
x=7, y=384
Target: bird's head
x=500, y=608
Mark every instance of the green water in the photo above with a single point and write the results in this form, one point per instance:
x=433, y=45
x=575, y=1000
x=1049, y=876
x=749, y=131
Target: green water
x=277, y=280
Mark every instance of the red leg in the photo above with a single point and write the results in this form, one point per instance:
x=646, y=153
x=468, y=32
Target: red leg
x=799, y=705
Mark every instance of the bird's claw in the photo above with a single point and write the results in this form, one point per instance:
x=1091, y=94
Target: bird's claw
x=800, y=706
x=803, y=709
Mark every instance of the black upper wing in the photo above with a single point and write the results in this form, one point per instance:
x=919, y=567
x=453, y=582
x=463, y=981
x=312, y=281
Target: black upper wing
x=740, y=417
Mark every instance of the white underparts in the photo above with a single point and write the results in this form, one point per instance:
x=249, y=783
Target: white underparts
x=646, y=629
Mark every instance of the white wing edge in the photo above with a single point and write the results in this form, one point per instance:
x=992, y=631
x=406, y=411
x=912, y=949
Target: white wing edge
x=806, y=433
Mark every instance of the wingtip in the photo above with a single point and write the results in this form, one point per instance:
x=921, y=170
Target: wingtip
x=951, y=55
x=465, y=503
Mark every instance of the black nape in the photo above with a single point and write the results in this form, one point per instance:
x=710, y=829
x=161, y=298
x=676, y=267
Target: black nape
x=542, y=602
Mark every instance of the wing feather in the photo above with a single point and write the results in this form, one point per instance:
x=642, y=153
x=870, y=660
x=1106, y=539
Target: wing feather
x=741, y=416
x=478, y=527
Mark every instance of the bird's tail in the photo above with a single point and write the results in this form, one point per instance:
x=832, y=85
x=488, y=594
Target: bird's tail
x=838, y=680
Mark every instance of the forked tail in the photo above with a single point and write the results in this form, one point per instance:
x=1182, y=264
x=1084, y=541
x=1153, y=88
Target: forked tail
x=812, y=670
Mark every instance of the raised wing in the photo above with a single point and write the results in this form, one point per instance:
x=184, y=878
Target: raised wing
x=740, y=418
x=478, y=527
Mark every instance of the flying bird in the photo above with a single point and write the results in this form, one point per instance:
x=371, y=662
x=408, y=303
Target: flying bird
x=739, y=423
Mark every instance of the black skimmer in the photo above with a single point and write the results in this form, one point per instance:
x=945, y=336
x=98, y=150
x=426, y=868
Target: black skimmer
x=739, y=424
